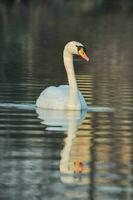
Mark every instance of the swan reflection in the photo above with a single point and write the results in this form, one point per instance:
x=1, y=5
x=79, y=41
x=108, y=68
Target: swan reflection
x=72, y=170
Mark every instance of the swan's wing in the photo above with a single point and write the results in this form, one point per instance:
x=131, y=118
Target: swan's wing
x=57, y=98
x=53, y=97
x=83, y=103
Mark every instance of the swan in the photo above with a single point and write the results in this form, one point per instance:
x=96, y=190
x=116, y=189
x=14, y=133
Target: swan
x=65, y=97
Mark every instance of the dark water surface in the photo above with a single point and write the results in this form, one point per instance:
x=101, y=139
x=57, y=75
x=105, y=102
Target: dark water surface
x=65, y=155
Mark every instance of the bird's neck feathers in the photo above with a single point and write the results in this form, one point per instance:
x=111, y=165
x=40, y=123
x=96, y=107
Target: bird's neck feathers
x=73, y=100
x=68, y=63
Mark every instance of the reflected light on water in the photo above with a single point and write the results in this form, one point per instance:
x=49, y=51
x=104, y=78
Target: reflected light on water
x=69, y=121
x=84, y=154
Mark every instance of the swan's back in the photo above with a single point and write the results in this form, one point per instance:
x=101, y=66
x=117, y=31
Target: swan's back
x=53, y=97
x=57, y=98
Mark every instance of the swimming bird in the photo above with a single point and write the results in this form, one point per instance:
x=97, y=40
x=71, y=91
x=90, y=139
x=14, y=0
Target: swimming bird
x=65, y=97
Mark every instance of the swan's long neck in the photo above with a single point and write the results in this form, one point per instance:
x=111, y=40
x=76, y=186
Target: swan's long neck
x=73, y=101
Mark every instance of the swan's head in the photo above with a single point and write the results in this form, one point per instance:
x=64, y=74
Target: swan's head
x=77, y=48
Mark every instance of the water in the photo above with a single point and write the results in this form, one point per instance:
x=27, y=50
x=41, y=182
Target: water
x=65, y=155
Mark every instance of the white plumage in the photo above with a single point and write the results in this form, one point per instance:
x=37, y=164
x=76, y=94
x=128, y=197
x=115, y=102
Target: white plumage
x=57, y=98
x=65, y=97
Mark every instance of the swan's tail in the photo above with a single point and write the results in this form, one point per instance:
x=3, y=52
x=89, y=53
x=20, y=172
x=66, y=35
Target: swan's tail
x=18, y=106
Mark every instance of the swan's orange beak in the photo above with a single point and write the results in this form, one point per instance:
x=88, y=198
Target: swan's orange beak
x=83, y=54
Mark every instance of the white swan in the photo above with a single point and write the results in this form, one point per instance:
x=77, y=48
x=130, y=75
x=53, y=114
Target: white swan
x=65, y=97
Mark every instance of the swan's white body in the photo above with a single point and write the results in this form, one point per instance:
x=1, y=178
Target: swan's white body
x=58, y=98
x=64, y=97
